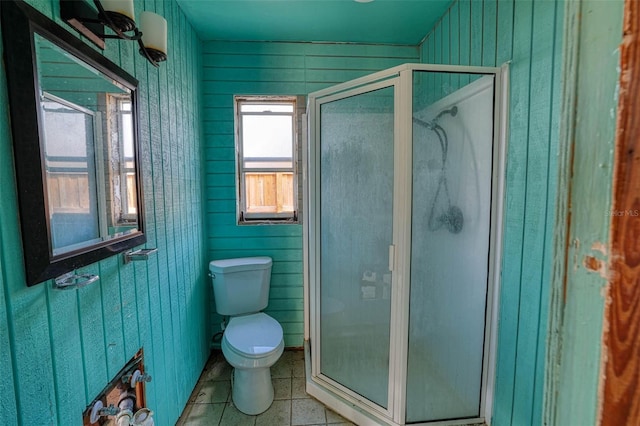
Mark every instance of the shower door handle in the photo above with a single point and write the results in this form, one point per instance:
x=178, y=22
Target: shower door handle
x=392, y=257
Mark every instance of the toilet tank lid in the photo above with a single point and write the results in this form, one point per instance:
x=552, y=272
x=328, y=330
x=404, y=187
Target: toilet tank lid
x=240, y=264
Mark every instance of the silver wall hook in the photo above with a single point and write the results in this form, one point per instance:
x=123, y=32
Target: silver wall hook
x=72, y=280
x=141, y=254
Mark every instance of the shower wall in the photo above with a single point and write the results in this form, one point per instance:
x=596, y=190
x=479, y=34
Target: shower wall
x=529, y=34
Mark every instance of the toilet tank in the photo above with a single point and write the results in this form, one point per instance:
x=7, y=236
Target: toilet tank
x=241, y=286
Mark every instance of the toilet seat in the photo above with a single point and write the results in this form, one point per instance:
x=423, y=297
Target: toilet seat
x=254, y=336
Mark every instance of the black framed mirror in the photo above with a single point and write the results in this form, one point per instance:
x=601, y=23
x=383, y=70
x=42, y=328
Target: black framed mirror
x=75, y=138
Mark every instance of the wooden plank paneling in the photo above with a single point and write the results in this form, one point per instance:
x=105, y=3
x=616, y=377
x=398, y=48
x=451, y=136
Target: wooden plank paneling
x=59, y=349
x=437, y=59
x=465, y=37
x=252, y=74
x=9, y=404
x=476, y=42
x=445, y=36
x=455, y=37
x=156, y=322
x=238, y=61
x=489, y=42
x=538, y=150
x=489, y=33
x=112, y=315
x=516, y=187
x=621, y=400
x=232, y=231
x=504, y=31
x=551, y=219
x=66, y=351
x=260, y=50
x=270, y=69
x=94, y=358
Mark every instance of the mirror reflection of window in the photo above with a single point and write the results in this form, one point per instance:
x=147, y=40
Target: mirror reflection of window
x=130, y=209
x=89, y=151
x=70, y=172
x=120, y=157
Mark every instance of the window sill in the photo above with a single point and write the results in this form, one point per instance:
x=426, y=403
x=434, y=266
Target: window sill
x=274, y=221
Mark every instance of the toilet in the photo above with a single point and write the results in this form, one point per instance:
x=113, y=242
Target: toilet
x=252, y=341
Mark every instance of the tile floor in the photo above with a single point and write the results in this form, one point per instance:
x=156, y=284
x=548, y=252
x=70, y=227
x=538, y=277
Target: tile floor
x=210, y=403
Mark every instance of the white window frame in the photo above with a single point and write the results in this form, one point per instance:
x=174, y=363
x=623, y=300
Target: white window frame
x=241, y=207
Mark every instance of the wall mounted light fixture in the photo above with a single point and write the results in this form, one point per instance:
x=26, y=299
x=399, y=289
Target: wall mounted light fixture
x=119, y=16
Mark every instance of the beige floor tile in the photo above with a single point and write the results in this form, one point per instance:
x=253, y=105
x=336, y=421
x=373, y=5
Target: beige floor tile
x=234, y=417
x=307, y=412
x=281, y=369
x=281, y=388
x=216, y=370
x=286, y=357
x=297, y=388
x=298, y=368
x=211, y=392
x=297, y=355
x=204, y=415
x=279, y=414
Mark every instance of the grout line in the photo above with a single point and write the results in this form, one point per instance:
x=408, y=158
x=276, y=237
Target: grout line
x=224, y=408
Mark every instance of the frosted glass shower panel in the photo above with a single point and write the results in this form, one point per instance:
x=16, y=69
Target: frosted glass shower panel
x=451, y=213
x=356, y=201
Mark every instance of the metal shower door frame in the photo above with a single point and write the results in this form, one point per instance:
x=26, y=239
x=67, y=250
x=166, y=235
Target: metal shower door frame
x=331, y=393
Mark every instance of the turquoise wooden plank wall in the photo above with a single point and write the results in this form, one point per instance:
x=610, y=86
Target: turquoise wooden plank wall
x=527, y=33
x=254, y=68
x=58, y=349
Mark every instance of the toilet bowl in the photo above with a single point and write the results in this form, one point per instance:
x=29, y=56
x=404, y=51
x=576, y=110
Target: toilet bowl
x=251, y=344
x=252, y=341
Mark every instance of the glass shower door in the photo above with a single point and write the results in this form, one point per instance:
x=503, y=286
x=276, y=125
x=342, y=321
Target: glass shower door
x=450, y=236
x=356, y=156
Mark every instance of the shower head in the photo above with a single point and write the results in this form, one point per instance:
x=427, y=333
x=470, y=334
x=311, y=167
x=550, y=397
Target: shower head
x=453, y=111
x=433, y=124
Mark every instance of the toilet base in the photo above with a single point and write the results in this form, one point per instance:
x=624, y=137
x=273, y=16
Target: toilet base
x=252, y=391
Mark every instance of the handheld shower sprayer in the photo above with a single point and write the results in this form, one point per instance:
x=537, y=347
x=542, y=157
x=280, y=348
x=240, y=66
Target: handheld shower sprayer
x=452, y=218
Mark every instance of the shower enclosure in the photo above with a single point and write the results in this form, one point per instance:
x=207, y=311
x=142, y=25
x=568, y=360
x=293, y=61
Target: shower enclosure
x=403, y=199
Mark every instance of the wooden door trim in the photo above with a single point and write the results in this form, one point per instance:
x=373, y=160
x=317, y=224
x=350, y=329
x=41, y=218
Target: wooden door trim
x=620, y=387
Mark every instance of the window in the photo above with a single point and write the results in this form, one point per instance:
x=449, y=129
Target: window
x=266, y=158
